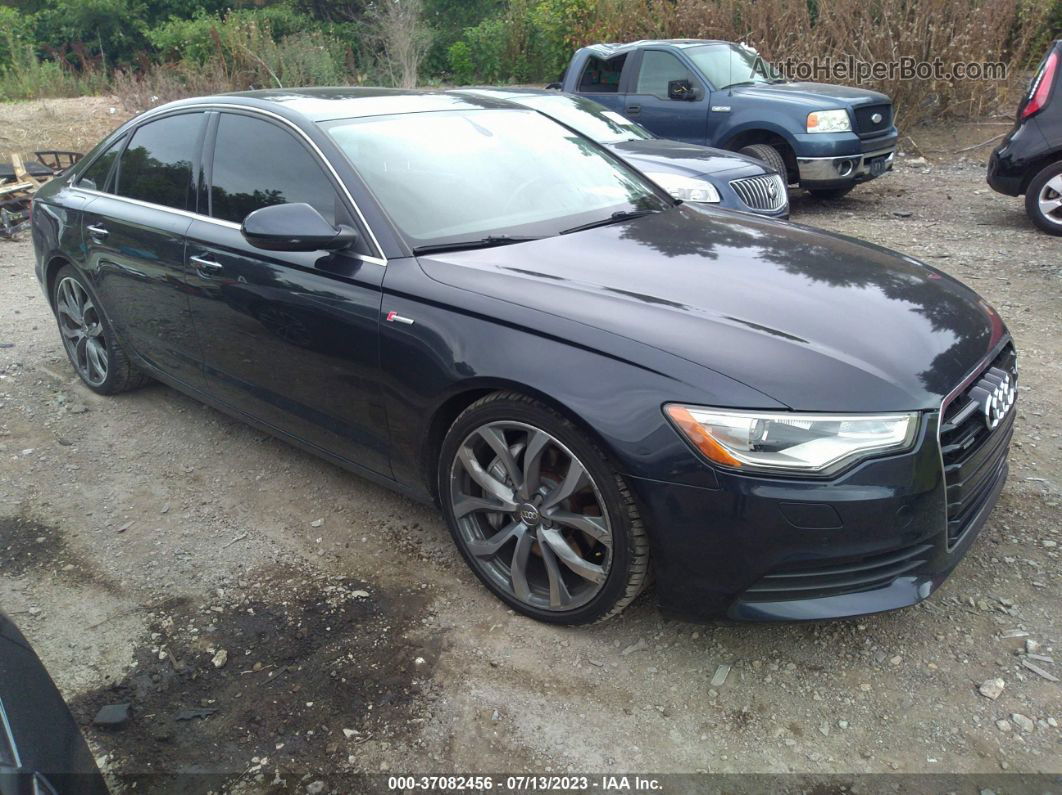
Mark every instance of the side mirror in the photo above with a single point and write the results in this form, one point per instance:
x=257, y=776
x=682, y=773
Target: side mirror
x=294, y=227
x=682, y=90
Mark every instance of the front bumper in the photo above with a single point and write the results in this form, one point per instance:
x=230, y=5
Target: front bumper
x=767, y=549
x=828, y=172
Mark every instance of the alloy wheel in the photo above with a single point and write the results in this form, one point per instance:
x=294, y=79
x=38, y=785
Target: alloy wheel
x=82, y=330
x=531, y=516
x=1050, y=199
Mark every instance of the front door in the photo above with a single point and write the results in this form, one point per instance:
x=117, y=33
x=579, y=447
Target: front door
x=648, y=104
x=133, y=233
x=288, y=338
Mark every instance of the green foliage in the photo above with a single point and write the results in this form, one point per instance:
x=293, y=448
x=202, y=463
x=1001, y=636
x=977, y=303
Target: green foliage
x=197, y=38
x=531, y=42
x=448, y=20
x=481, y=55
x=26, y=76
x=16, y=31
x=112, y=28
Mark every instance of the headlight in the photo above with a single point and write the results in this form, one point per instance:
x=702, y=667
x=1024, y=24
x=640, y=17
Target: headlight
x=789, y=442
x=686, y=188
x=829, y=121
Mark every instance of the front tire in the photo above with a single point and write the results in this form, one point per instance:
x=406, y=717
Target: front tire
x=1043, y=199
x=91, y=344
x=539, y=514
x=769, y=155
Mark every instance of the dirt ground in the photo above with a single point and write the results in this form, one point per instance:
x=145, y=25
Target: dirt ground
x=277, y=622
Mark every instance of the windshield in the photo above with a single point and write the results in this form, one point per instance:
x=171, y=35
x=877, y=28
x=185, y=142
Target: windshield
x=727, y=65
x=588, y=117
x=451, y=176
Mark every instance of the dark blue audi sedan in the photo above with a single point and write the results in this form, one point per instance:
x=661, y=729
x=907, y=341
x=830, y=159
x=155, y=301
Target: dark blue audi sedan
x=475, y=305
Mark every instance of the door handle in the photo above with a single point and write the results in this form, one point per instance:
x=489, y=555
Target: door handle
x=634, y=109
x=97, y=231
x=206, y=266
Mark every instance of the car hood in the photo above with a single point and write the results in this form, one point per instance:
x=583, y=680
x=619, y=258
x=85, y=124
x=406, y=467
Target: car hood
x=814, y=320
x=690, y=160
x=814, y=96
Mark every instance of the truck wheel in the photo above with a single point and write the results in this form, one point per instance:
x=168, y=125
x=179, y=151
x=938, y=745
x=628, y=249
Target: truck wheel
x=769, y=155
x=1043, y=199
x=830, y=193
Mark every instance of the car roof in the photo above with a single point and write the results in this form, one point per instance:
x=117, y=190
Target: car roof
x=323, y=104
x=608, y=50
x=512, y=93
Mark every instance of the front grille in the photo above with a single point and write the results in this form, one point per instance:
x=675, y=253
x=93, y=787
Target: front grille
x=766, y=192
x=813, y=580
x=865, y=124
x=973, y=453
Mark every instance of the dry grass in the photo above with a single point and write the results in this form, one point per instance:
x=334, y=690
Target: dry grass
x=76, y=124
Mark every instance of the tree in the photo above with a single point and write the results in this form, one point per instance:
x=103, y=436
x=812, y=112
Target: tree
x=403, y=36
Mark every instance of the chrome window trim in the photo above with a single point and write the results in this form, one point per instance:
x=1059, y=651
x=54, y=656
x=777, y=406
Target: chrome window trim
x=5, y=727
x=161, y=113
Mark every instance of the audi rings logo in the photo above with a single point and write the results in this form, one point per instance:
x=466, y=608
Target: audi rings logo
x=996, y=393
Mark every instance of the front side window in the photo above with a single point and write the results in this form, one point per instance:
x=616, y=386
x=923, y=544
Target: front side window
x=156, y=167
x=450, y=176
x=601, y=76
x=726, y=65
x=95, y=176
x=658, y=69
x=588, y=117
x=257, y=164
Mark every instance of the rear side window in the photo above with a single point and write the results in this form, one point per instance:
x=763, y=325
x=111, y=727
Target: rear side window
x=659, y=69
x=156, y=167
x=257, y=164
x=600, y=76
x=95, y=176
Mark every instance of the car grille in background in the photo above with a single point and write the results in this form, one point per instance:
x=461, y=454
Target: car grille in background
x=974, y=455
x=765, y=192
x=816, y=579
x=865, y=124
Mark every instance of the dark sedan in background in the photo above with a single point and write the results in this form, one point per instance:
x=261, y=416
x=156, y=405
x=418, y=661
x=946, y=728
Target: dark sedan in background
x=693, y=173
x=42, y=751
x=468, y=302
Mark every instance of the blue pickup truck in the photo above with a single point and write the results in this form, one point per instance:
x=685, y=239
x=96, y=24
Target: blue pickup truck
x=826, y=138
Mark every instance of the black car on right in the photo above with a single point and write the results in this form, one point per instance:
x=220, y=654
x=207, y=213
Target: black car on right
x=1029, y=161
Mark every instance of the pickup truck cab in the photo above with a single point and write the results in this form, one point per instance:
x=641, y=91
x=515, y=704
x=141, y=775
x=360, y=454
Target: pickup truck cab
x=826, y=138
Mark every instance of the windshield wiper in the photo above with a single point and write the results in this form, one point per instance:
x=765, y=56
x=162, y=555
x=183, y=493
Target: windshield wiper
x=622, y=215
x=490, y=241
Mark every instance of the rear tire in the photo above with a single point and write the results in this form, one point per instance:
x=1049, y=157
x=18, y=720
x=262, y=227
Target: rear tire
x=91, y=344
x=1043, y=199
x=829, y=194
x=539, y=514
x=769, y=155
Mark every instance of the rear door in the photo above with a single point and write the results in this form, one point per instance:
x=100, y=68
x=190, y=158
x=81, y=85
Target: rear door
x=289, y=338
x=648, y=104
x=602, y=80
x=133, y=233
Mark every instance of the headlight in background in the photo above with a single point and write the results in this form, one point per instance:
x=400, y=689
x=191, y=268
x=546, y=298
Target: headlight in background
x=829, y=121
x=686, y=188
x=791, y=442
